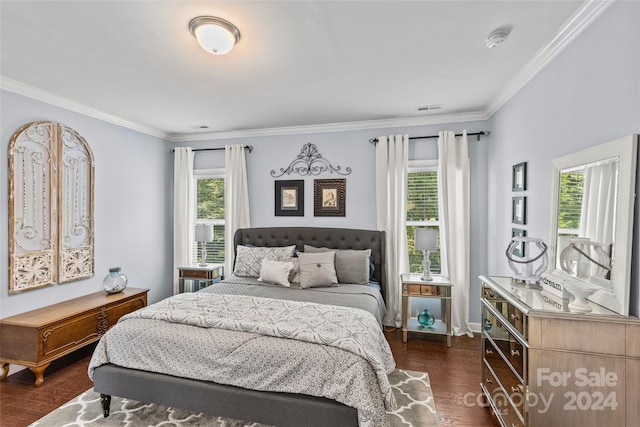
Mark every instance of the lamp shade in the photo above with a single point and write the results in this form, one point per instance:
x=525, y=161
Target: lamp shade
x=204, y=233
x=426, y=239
x=215, y=35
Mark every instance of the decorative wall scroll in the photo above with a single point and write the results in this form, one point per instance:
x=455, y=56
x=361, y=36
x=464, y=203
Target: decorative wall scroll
x=310, y=162
x=50, y=206
x=289, y=198
x=329, y=197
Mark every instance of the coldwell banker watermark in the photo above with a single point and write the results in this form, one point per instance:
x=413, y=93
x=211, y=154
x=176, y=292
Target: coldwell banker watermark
x=590, y=391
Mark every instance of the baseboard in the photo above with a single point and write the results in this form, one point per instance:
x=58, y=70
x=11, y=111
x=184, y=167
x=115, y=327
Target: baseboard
x=475, y=327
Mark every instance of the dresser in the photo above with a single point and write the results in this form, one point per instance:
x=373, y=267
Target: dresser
x=543, y=365
x=36, y=338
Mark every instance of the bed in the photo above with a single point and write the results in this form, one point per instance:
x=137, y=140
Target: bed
x=266, y=400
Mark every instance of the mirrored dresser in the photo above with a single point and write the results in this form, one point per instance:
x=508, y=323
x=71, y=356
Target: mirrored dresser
x=543, y=365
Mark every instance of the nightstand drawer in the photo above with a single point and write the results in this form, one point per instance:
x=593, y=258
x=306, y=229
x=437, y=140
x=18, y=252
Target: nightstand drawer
x=430, y=290
x=194, y=274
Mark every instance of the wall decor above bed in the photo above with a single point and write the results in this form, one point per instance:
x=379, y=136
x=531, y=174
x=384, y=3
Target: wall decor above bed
x=310, y=162
x=289, y=198
x=329, y=197
x=50, y=206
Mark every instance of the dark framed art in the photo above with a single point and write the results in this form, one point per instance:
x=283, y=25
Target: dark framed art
x=289, y=198
x=519, y=210
x=519, y=250
x=329, y=197
x=519, y=177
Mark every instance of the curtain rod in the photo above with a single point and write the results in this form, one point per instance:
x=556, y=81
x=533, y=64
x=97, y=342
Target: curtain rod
x=246, y=147
x=374, y=141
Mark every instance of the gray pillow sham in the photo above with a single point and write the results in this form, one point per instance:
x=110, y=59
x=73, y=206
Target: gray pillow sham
x=352, y=266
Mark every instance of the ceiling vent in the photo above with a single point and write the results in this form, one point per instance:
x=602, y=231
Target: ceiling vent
x=429, y=108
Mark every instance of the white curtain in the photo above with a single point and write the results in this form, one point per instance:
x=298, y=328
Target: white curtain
x=453, y=182
x=236, y=200
x=598, y=203
x=183, y=205
x=392, y=155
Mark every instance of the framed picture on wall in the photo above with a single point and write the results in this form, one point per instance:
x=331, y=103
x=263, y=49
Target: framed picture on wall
x=329, y=197
x=519, y=250
x=519, y=177
x=519, y=210
x=289, y=198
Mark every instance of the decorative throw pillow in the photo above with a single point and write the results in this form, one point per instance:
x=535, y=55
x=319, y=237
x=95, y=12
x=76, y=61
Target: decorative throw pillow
x=352, y=266
x=275, y=272
x=317, y=270
x=249, y=260
x=294, y=274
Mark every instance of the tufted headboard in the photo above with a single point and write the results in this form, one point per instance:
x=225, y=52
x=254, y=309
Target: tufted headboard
x=334, y=238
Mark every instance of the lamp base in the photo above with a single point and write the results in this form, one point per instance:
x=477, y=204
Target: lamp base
x=426, y=267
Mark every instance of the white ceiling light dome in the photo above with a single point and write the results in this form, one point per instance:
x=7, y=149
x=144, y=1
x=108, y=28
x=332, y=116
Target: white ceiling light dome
x=497, y=36
x=215, y=35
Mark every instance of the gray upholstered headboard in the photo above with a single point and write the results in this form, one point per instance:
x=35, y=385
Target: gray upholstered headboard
x=334, y=238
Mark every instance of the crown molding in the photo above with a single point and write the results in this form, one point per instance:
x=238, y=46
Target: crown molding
x=333, y=127
x=59, y=101
x=579, y=21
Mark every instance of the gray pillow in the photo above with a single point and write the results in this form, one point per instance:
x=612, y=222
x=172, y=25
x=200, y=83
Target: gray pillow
x=352, y=266
x=317, y=270
x=249, y=260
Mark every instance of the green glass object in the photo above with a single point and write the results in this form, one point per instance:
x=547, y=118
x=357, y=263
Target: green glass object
x=426, y=319
x=487, y=324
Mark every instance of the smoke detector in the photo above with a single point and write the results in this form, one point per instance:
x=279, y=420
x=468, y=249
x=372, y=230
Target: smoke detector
x=497, y=37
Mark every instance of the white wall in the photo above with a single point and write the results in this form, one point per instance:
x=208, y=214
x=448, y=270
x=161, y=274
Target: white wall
x=352, y=149
x=588, y=95
x=132, y=205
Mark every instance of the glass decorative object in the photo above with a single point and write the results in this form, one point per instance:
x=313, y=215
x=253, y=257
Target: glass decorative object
x=426, y=319
x=527, y=269
x=115, y=281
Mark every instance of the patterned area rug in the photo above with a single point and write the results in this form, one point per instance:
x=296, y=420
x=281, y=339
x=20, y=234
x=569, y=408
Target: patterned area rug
x=411, y=390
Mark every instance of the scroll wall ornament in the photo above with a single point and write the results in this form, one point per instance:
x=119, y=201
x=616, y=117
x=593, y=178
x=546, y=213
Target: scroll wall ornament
x=51, y=179
x=310, y=162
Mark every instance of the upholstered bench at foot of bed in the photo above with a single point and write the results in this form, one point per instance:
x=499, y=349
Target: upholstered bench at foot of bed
x=279, y=409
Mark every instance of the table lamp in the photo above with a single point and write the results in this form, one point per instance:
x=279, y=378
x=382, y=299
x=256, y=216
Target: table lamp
x=204, y=234
x=426, y=240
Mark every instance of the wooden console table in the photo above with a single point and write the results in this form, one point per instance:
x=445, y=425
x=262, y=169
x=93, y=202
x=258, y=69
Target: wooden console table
x=36, y=338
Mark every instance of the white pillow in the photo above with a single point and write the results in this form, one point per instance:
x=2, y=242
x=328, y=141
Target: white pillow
x=275, y=272
x=317, y=270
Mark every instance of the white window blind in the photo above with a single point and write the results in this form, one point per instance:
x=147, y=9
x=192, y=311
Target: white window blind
x=209, y=209
x=422, y=212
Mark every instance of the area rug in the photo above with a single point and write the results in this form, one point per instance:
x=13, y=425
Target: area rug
x=411, y=390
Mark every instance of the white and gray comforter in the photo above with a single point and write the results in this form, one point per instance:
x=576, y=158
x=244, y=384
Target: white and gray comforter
x=261, y=344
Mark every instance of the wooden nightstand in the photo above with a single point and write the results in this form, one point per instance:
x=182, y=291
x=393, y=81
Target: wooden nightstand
x=199, y=277
x=439, y=288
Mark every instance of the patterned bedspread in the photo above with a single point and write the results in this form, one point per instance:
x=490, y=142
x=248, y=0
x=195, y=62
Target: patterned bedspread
x=261, y=344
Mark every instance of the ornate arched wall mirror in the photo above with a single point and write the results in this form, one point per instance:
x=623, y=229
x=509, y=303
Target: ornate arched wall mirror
x=50, y=206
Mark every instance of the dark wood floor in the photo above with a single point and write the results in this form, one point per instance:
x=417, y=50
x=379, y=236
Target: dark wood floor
x=454, y=373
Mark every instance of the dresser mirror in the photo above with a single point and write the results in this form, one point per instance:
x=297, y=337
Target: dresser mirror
x=591, y=223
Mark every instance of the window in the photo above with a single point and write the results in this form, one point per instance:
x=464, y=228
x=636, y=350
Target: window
x=422, y=210
x=209, y=209
x=570, y=203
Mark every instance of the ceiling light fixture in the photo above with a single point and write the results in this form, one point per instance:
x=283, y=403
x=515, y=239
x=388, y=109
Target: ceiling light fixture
x=215, y=35
x=497, y=37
